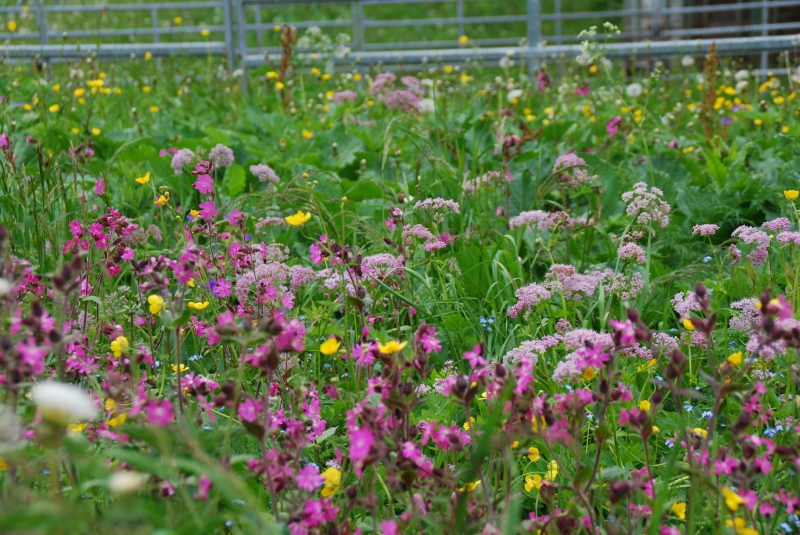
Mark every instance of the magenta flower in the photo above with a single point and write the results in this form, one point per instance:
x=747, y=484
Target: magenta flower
x=475, y=356
x=32, y=355
x=203, y=486
x=250, y=410
x=582, y=91
x=204, y=184
x=235, y=217
x=612, y=126
x=389, y=527
x=99, y=187
x=208, y=210
x=360, y=443
x=308, y=478
x=223, y=288
x=159, y=412
x=627, y=333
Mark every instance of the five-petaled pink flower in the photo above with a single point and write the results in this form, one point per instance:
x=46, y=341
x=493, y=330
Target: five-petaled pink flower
x=159, y=412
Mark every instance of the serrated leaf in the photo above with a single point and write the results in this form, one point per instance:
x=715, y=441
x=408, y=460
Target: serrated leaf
x=236, y=180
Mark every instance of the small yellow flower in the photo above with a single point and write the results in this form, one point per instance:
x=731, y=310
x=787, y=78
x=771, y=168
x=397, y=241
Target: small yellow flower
x=77, y=428
x=161, y=201
x=330, y=346
x=687, y=323
x=589, y=374
x=533, y=454
x=533, y=482
x=54, y=108
x=391, y=347
x=732, y=500
x=156, y=303
x=552, y=471
x=144, y=179
x=514, y=445
x=153, y=109
x=298, y=219
x=277, y=27
x=779, y=100
x=110, y=405
x=656, y=430
x=740, y=527
x=465, y=79
x=279, y=85
x=700, y=432
x=333, y=478
x=120, y=346
x=205, y=32
x=679, y=509
x=326, y=76
x=190, y=284
x=148, y=56
x=758, y=122
x=735, y=359
x=272, y=74
x=75, y=130
x=12, y=25
x=688, y=150
x=357, y=77
x=194, y=213
x=146, y=89
x=463, y=40
x=791, y=194
x=95, y=131
x=308, y=134
x=470, y=486
x=27, y=107
x=117, y=420
x=56, y=88
x=785, y=129
x=448, y=69
x=370, y=103
x=79, y=92
x=644, y=405
x=593, y=69
x=198, y=305
x=184, y=368
x=178, y=20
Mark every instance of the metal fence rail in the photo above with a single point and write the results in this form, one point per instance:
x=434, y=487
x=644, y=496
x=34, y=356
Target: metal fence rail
x=244, y=31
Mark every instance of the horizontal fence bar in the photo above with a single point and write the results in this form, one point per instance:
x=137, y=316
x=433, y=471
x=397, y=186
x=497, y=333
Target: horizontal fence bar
x=111, y=51
x=130, y=7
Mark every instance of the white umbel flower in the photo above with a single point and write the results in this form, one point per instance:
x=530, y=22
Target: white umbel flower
x=126, y=482
x=62, y=403
x=742, y=75
x=426, y=105
x=514, y=94
x=687, y=61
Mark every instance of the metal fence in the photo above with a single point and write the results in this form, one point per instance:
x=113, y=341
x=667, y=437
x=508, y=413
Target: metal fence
x=243, y=30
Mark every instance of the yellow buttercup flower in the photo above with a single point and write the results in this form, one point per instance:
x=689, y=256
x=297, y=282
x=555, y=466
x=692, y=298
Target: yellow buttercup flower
x=190, y=284
x=468, y=425
x=54, y=108
x=308, y=134
x=184, y=368
x=330, y=346
x=700, y=431
x=120, y=346
x=463, y=40
x=552, y=471
x=156, y=303
x=110, y=404
x=153, y=109
x=732, y=500
x=161, y=201
x=469, y=487
x=178, y=20
x=687, y=323
x=117, y=420
x=298, y=219
x=740, y=527
x=205, y=32
x=791, y=194
x=391, y=347
x=95, y=131
x=533, y=482
x=644, y=405
x=589, y=374
x=146, y=89
x=77, y=428
x=194, y=213
x=679, y=509
x=198, y=305
x=533, y=454
x=514, y=445
x=333, y=479
x=448, y=69
x=148, y=56
x=735, y=359
x=12, y=25
x=279, y=85
x=593, y=69
x=144, y=179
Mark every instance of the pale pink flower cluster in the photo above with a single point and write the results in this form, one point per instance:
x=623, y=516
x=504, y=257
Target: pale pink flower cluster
x=685, y=302
x=488, y=178
x=751, y=235
x=568, y=369
x=632, y=250
x=647, y=206
x=528, y=297
x=789, y=237
x=438, y=204
x=578, y=338
x=269, y=221
x=780, y=224
x=626, y=287
x=221, y=155
x=705, y=230
x=382, y=265
x=264, y=172
x=406, y=99
x=749, y=319
x=564, y=278
x=343, y=96
x=664, y=344
x=569, y=168
x=181, y=158
x=530, y=349
x=541, y=220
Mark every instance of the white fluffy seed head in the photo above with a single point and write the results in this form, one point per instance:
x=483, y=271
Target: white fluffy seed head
x=61, y=403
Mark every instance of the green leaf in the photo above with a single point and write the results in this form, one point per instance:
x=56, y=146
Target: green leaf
x=716, y=168
x=523, y=193
x=236, y=180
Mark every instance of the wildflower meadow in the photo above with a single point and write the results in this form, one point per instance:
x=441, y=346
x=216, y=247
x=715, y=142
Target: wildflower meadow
x=438, y=298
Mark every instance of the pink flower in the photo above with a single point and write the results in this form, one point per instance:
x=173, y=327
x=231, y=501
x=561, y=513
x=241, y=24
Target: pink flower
x=127, y=254
x=627, y=333
x=159, y=412
x=250, y=410
x=360, y=443
x=223, y=288
x=32, y=354
x=582, y=91
x=204, y=184
x=100, y=187
x=208, y=210
x=203, y=486
x=705, y=230
x=612, y=126
x=308, y=478
x=114, y=270
x=235, y=217
x=389, y=527
x=475, y=356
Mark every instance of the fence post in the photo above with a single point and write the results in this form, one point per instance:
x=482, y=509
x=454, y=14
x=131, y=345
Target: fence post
x=355, y=24
x=154, y=19
x=226, y=12
x=534, y=48
x=655, y=23
x=764, y=33
x=41, y=23
x=241, y=30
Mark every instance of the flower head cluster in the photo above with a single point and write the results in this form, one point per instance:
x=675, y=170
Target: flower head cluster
x=646, y=205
